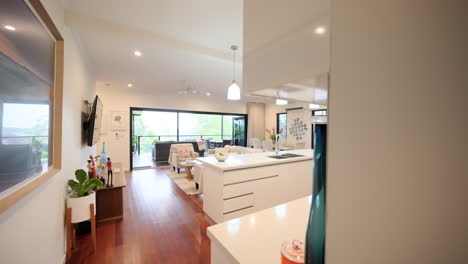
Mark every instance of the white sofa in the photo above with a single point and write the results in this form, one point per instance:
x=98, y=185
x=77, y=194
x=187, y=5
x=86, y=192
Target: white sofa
x=179, y=153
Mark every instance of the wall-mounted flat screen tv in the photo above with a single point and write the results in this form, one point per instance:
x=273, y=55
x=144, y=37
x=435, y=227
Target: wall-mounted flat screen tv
x=94, y=122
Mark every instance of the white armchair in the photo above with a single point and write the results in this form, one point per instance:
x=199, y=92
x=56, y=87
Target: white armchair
x=179, y=153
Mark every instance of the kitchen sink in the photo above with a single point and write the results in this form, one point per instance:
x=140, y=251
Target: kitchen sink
x=285, y=156
x=292, y=155
x=278, y=157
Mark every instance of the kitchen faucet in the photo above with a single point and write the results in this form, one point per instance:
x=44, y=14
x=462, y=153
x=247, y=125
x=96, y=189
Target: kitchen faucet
x=277, y=147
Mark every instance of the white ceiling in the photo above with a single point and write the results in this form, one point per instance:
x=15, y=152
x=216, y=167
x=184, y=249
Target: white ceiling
x=284, y=56
x=268, y=21
x=185, y=43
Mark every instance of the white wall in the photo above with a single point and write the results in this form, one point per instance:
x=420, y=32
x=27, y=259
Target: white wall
x=270, y=115
x=256, y=121
x=398, y=126
x=121, y=100
x=272, y=109
x=32, y=231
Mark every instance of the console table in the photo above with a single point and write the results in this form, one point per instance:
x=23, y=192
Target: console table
x=109, y=201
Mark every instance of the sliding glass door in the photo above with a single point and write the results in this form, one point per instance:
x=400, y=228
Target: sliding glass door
x=239, y=131
x=155, y=129
x=195, y=126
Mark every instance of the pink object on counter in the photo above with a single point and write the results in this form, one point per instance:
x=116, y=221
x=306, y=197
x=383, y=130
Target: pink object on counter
x=292, y=252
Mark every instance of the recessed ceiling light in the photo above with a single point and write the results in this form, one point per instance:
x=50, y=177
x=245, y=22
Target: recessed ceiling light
x=281, y=102
x=130, y=85
x=208, y=93
x=314, y=106
x=320, y=30
x=11, y=28
x=137, y=53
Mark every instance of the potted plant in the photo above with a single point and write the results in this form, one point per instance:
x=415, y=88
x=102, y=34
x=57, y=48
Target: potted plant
x=82, y=195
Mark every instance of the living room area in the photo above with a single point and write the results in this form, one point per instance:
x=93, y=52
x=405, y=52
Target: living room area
x=226, y=132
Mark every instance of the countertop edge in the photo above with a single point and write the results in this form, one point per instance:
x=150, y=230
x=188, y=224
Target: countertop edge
x=213, y=237
x=261, y=164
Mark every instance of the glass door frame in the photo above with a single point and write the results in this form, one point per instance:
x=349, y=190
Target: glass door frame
x=132, y=109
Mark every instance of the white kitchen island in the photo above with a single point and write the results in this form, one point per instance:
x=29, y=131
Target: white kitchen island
x=248, y=183
x=257, y=238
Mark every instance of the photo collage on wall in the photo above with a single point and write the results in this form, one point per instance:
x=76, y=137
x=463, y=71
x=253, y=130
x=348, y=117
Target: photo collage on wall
x=298, y=129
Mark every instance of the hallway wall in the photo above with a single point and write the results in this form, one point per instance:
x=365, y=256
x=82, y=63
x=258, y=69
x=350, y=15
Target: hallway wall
x=33, y=229
x=397, y=174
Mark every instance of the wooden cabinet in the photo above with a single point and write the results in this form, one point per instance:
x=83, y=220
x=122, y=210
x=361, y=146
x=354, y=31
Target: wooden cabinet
x=109, y=201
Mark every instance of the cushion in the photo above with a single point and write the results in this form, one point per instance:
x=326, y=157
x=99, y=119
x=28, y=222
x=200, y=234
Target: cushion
x=183, y=153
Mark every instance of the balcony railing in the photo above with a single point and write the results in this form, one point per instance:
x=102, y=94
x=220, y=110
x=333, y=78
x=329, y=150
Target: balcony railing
x=144, y=143
x=24, y=140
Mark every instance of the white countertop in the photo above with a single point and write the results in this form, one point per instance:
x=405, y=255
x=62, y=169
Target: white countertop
x=235, y=161
x=257, y=238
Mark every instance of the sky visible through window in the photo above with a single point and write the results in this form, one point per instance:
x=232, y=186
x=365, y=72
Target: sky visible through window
x=25, y=119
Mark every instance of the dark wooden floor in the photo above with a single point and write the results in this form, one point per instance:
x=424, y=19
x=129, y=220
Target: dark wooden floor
x=161, y=225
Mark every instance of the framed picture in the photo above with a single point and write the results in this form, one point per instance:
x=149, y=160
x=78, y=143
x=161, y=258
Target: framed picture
x=118, y=121
x=31, y=80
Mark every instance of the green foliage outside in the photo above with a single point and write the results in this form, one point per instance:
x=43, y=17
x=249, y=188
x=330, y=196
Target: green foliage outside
x=152, y=125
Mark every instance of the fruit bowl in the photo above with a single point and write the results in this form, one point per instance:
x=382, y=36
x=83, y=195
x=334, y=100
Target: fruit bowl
x=221, y=157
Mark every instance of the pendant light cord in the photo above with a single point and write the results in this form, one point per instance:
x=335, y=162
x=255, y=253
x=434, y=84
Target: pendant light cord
x=234, y=74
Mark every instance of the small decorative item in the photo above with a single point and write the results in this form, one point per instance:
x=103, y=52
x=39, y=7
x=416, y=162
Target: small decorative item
x=102, y=159
x=110, y=176
x=221, y=157
x=292, y=252
x=92, y=167
x=103, y=181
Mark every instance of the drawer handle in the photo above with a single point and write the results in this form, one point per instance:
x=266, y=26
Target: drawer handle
x=258, y=179
x=237, y=210
x=238, y=196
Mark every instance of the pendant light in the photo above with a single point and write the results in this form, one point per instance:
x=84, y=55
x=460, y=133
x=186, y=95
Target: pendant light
x=234, y=90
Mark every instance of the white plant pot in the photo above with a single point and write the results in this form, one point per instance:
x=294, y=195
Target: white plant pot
x=80, y=206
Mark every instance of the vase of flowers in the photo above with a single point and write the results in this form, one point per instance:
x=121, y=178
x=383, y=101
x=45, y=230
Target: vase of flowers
x=272, y=135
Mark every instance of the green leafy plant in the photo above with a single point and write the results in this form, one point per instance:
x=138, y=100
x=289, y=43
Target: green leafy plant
x=84, y=185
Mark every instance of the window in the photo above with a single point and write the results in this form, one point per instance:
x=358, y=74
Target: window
x=31, y=73
x=156, y=125
x=194, y=126
x=227, y=126
x=281, y=124
x=319, y=113
x=151, y=126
